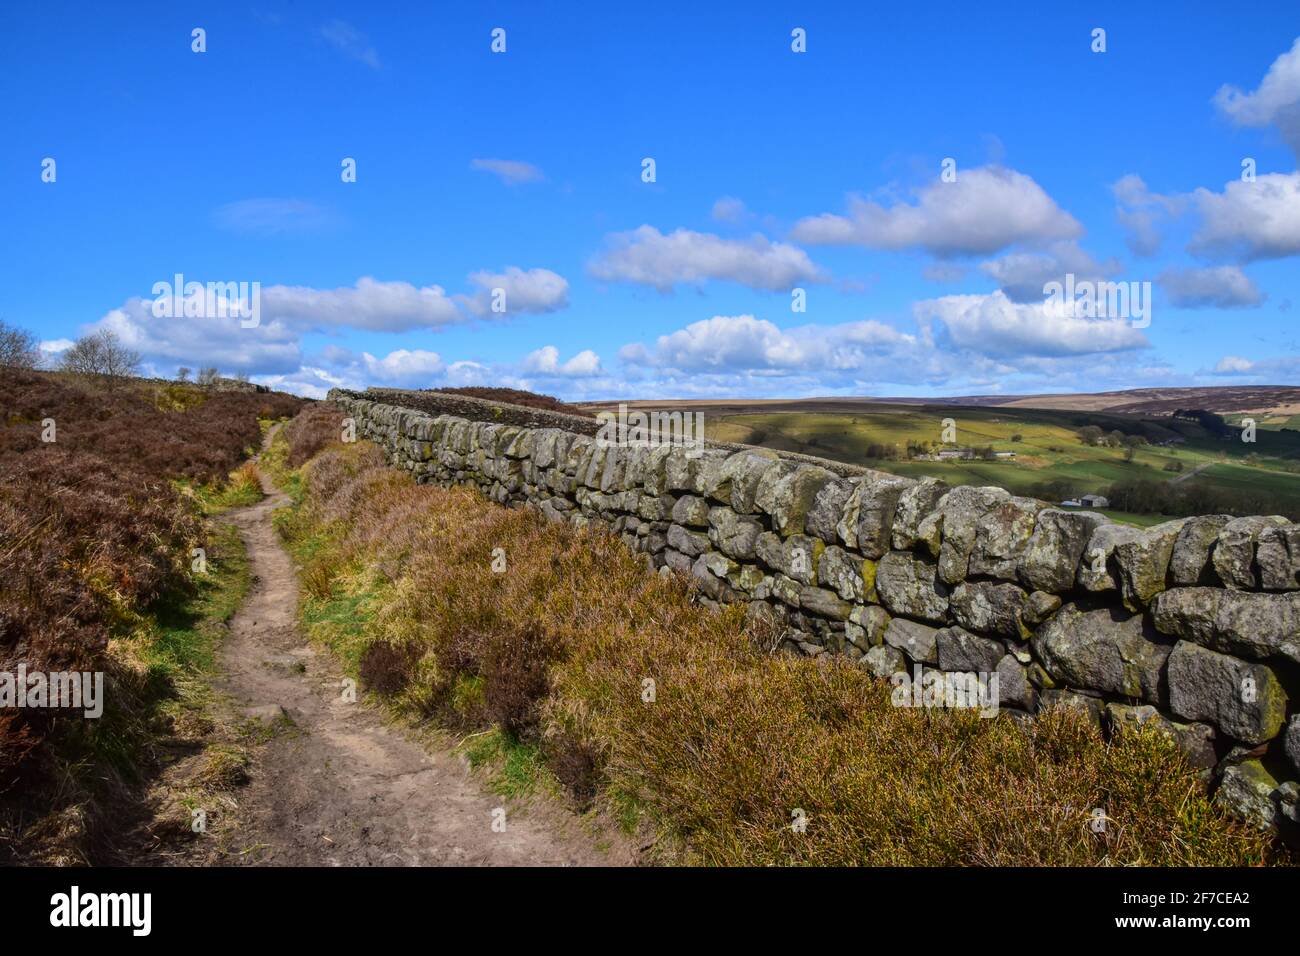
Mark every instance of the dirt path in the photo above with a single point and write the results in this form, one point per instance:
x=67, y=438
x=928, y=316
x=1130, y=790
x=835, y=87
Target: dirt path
x=339, y=786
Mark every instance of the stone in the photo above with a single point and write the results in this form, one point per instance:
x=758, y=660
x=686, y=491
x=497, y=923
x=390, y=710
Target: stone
x=1144, y=563
x=842, y=572
x=1089, y=706
x=1247, y=791
x=677, y=560
x=1234, y=551
x=914, y=504
x=960, y=650
x=787, y=495
x=825, y=603
x=709, y=570
x=1288, y=800
x=1242, y=699
x=884, y=661
x=691, y=511
x=734, y=481
x=1051, y=558
x=688, y=542
x=1248, y=624
x=1097, y=570
x=1014, y=689
x=876, y=498
x=909, y=585
x=989, y=608
x=929, y=534
x=1039, y=606
x=798, y=556
x=684, y=469
x=1277, y=554
x=1001, y=538
x=1291, y=745
x=1103, y=650
x=649, y=507
x=786, y=589
x=962, y=508
x=918, y=641
x=746, y=578
x=734, y=535
x=872, y=619
x=828, y=507
x=1190, y=562
x=1196, y=741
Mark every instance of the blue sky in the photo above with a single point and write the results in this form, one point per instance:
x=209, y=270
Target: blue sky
x=774, y=170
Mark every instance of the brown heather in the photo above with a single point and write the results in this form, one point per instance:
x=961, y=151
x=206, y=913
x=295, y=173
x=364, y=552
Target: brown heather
x=557, y=647
x=93, y=527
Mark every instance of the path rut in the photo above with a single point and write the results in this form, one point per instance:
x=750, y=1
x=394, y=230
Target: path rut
x=342, y=787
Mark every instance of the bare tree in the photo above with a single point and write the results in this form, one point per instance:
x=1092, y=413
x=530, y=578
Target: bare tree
x=17, y=347
x=182, y=374
x=208, y=377
x=102, y=355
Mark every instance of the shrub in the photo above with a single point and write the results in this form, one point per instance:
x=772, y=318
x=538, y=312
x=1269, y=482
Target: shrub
x=384, y=668
x=317, y=426
x=514, y=671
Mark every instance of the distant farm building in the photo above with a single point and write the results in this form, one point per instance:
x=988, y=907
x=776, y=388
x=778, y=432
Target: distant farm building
x=1087, y=501
x=969, y=454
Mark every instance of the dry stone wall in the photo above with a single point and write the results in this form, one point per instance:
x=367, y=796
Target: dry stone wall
x=1193, y=624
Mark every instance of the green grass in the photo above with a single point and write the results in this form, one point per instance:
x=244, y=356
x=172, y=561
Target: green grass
x=161, y=679
x=185, y=632
x=240, y=489
x=1048, y=449
x=511, y=768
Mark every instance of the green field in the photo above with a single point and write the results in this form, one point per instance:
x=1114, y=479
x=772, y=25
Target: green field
x=1047, y=449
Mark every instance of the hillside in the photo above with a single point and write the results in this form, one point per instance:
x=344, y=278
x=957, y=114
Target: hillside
x=1212, y=471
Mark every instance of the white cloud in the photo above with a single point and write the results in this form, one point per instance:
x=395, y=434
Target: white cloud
x=730, y=209
x=377, y=306
x=534, y=290
x=512, y=172
x=1220, y=287
x=1233, y=365
x=1143, y=213
x=270, y=348
x=273, y=347
x=273, y=217
x=405, y=366
x=307, y=380
x=1022, y=275
x=1249, y=221
x=649, y=257
x=53, y=347
x=745, y=342
x=351, y=42
x=546, y=361
x=986, y=210
x=1276, y=102
x=995, y=326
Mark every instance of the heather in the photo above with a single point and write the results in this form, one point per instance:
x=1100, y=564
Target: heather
x=677, y=719
x=98, y=528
